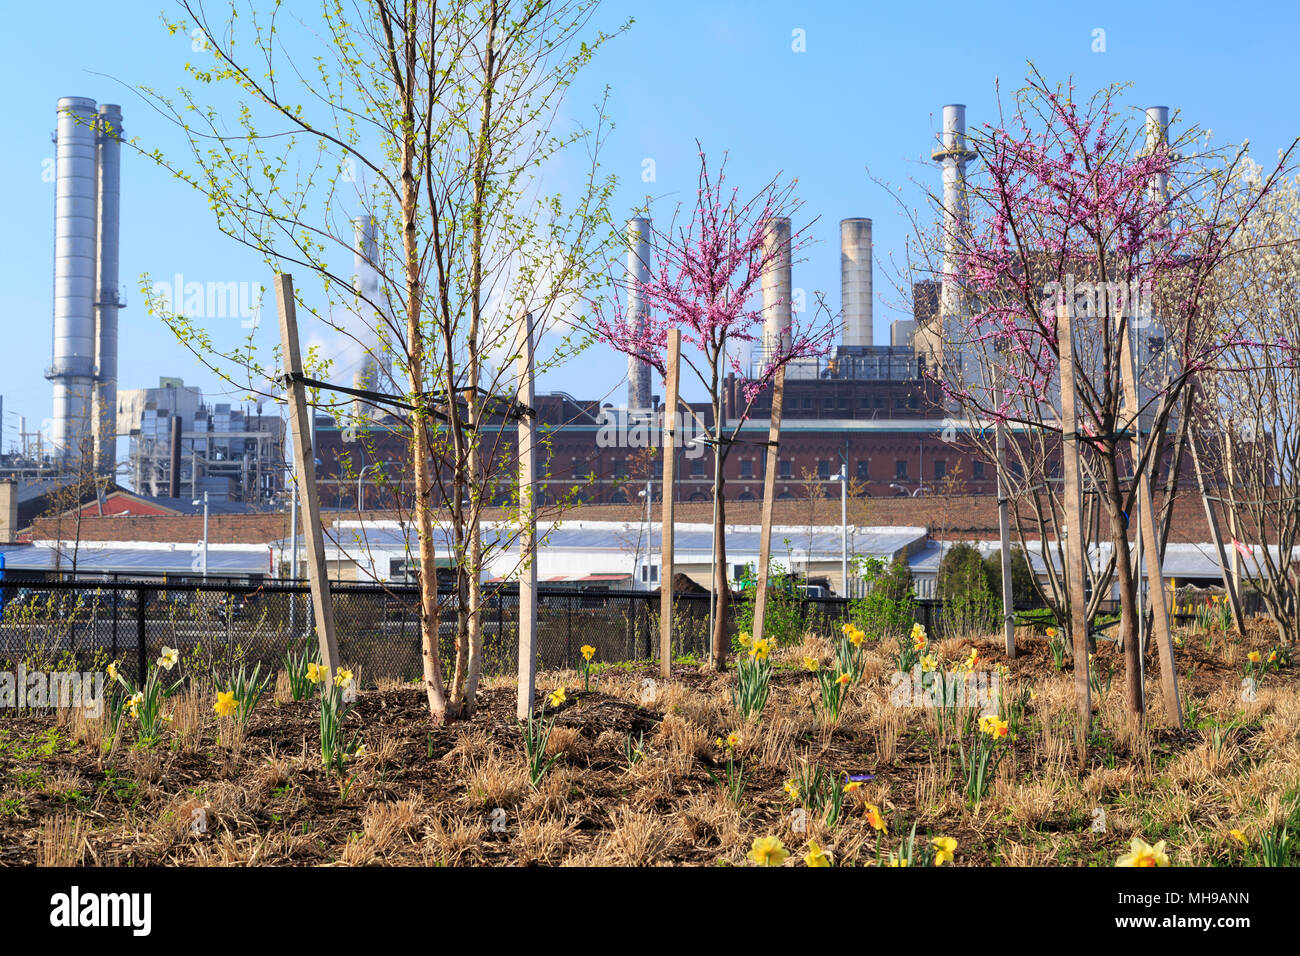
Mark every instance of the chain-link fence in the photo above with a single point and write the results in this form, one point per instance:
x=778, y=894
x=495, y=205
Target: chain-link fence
x=54, y=624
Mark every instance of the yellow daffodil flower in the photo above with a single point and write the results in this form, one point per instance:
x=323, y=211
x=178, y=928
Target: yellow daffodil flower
x=816, y=855
x=588, y=652
x=226, y=704
x=317, y=673
x=875, y=819
x=811, y=663
x=768, y=851
x=1239, y=837
x=557, y=697
x=1142, y=853
x=944, y=847
x=169, y=658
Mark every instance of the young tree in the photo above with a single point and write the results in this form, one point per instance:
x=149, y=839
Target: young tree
x=1249, y=426
x=1070, y=205
x=704, y=281
x=437, y=121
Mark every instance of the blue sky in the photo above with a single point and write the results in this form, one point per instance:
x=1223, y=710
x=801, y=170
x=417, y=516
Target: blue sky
x=865, y=93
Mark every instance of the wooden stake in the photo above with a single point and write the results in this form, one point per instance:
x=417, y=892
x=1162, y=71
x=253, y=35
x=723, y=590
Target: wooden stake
x=1216, y=535
x=1004, y=535
x=305, y=465
x=1075, y=555
x=1150, y=541
x=769, y=499
x=528, y=518
x=666, y=542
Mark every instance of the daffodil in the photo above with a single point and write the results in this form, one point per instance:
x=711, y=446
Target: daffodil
x=875, y=819
x=944, y=847
x=1272, y=656
x=744, y=639
x=1239, y=837
x=169, y=658
x=1052, y=632
x=557, y=697
x=994, y=726
x=1142, y=853
x=317, y=673
x=793, y=789
x=768, y=851
x=852, y=785
x=856, y=638
x=1253, y=657
x=971, y=661
x=816, y=855
x=843, y=679
x=588, y=652
x=760, y=648
x=226, y=704
x=343, y=678
x=733, y=739
x=928, y=663
x=112, y=671
x=811, y=663
x=897, y=860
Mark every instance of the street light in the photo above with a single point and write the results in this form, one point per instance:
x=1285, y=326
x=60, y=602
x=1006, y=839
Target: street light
x=204, y=502
x=910, y=494
x=361, y=492
x=843, y=479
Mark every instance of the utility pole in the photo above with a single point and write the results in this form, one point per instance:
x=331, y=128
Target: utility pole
x=666, y=543
x=305, y=467
x=528, y=519
x=844, y=527
x=771, y=466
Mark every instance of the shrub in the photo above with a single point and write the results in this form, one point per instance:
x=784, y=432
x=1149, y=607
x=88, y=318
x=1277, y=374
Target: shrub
x=888, y=607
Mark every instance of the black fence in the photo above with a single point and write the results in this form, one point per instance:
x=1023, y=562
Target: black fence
x=54, y=623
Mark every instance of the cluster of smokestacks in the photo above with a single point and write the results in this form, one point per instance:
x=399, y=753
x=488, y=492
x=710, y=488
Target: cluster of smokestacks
x=86, y=221
x=777, y=290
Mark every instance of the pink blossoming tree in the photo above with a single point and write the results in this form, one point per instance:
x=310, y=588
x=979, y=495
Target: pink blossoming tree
x=705, y=280
x=1072, y=203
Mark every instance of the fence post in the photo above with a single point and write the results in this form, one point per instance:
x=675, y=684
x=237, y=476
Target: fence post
x=141, y=651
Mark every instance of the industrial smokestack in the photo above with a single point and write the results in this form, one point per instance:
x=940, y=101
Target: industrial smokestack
x=366, y=282
x=174, y=458
x=1158, y=135
x=953, y=154
x=638, y=310
x=855, y=281
x=72, y=367
x=778, y=296
x=107, y=302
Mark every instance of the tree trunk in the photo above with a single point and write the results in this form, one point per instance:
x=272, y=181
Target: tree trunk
x=1128, y=623
x=721, y=644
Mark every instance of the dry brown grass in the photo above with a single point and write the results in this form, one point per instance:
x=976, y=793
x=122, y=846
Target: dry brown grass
x=62, y=841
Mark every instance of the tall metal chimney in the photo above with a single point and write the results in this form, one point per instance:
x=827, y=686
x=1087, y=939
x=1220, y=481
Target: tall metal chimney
x=953, y=154
x=855, y=281
x=107, y=302
x=1157, y=130
x=72, y=368
x=778, y=295
x=366, y=281
x=638, y=271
